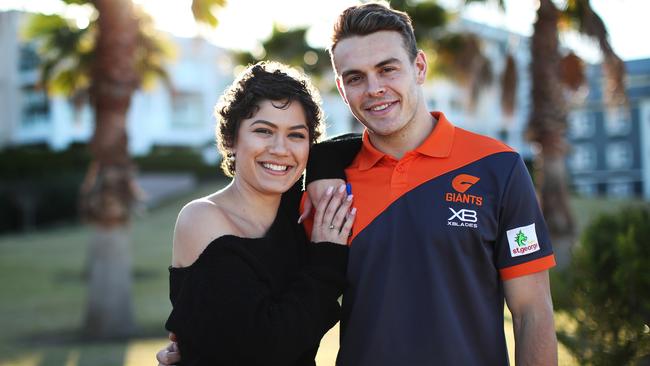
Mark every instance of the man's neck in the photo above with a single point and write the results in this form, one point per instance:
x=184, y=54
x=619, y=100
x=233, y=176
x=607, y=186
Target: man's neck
x=406, y=139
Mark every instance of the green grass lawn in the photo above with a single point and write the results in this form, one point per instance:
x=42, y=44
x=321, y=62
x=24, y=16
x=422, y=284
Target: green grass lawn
x=42, y=293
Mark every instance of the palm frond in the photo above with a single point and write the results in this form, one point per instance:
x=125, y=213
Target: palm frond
x=584, y=18
x=509, y=86
x=65, y=51
x=460, y=55
x=154, y=51
x=204, y=11
x=572, y=71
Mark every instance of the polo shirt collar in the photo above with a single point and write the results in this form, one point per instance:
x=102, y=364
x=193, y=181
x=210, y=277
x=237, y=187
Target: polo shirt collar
x=437, y=145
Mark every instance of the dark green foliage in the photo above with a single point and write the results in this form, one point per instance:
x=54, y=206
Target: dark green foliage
x=40, y=187
x=290, y=46
x=177, y=159
x=428, y=18
x=607, y=291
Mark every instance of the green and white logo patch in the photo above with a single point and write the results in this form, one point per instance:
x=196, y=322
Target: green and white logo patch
x=522, y=240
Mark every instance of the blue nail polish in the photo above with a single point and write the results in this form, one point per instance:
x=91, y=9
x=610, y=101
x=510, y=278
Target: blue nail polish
x=348, y=188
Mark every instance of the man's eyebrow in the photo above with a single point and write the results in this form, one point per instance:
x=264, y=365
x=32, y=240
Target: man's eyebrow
x=392, y=60
x=271, y=124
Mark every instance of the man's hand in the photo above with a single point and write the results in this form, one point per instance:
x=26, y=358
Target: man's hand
x=169, y=355
x=315, y=191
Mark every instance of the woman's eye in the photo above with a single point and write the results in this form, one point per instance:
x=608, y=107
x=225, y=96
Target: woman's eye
x=297, y=135
x=263, y=131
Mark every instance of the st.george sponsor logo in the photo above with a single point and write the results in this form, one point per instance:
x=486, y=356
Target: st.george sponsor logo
x=462, y=218
x=522, y=240
x=525, y=250
x=461, y=183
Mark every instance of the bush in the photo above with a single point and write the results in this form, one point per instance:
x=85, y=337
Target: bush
x=607, y=291
x=40, y=187
x=177, y=159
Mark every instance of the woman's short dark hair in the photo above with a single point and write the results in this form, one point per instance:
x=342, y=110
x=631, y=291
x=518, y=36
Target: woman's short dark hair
x=265, y=80
x=365, y=19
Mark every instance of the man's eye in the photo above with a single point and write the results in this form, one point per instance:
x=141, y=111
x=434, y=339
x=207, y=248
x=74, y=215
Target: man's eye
x=353, y=79
x=388, y=69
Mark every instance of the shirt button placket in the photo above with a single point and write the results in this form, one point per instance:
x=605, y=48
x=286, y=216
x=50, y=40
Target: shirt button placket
x=399, y=178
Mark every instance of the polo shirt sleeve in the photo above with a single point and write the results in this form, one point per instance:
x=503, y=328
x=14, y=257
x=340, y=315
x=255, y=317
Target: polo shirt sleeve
x=523, y=244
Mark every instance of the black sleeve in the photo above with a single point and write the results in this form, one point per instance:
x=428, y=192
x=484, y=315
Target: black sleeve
x=227, y=313
x=328, y=159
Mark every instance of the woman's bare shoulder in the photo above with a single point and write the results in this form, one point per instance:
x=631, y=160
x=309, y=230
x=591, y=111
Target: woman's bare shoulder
x=199, y=222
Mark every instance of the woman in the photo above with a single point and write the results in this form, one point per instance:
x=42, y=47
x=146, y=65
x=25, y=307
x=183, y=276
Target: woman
x=247, y=287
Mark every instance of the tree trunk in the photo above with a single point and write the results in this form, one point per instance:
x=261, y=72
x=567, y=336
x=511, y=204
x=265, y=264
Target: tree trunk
x=108, y=192
x=547, y=127
x=109, y=313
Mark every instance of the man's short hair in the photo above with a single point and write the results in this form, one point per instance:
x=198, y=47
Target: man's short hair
x=364, y=19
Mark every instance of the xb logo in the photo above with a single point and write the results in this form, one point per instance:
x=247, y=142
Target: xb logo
x=463, y=215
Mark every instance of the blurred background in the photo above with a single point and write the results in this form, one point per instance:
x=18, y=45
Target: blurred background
x=106, y=131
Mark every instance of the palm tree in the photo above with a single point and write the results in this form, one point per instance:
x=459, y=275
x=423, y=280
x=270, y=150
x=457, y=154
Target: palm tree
x=107, y=61
x=547, y=123
x=551, y=74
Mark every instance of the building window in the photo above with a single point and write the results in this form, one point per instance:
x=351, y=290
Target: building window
x=586, y=188
x=187, y=110
x=581, y=124
x=617, y=121
x=29, y=59
x=620, y=189
x=583, y=157
x=618, y=155
x=35, y=106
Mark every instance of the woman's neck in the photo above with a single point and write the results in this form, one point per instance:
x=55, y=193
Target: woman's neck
x=257, y=209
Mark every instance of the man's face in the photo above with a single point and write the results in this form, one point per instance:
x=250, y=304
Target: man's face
x=379, y=82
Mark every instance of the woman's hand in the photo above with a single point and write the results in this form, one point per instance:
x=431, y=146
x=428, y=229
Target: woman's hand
x=333, y=219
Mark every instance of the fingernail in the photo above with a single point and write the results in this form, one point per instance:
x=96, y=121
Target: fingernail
x=348, y=188
x=353, y=211
x=349, y=197
x=341, y=188
x=300, y=219
x=330, y=190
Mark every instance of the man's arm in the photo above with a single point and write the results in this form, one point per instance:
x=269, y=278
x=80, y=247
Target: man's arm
x=169, y=355
x=326, y=167
x=529, y=300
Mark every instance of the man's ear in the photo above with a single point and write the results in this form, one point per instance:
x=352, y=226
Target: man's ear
x=421, y=67
x=340, y=89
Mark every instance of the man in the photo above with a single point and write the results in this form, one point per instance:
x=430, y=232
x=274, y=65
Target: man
x=448, y=225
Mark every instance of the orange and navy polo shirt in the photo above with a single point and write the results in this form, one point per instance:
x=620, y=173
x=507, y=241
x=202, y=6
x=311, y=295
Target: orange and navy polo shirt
x=436, y=234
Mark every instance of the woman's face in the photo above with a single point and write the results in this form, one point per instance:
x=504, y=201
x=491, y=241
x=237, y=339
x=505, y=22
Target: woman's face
x=272, y=147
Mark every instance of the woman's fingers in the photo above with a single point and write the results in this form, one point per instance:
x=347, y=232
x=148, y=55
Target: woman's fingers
x=332, y=208
x=342, y=213
x=322, y=205
x=346, y=229
x=333, y=218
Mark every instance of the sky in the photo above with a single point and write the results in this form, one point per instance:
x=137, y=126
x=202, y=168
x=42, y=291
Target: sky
x=245, y=23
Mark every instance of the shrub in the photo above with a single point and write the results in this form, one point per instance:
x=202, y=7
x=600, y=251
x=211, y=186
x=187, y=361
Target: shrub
x=608, y=291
